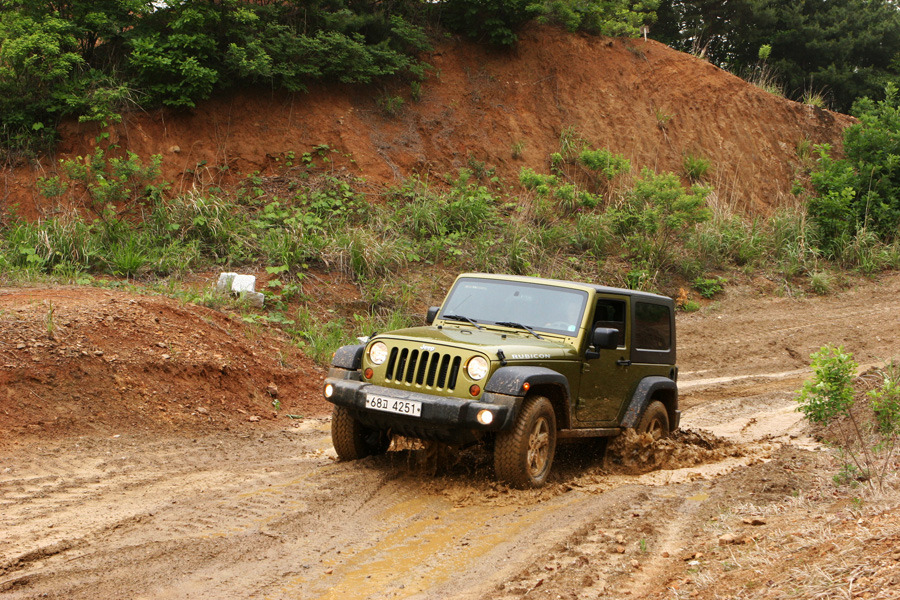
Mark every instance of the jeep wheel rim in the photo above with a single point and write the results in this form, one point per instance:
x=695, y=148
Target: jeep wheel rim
x=655, y=429
x=539, y=447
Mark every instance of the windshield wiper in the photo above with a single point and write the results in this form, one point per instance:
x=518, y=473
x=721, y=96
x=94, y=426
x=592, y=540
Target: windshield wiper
x=520, y=326
x=462, y=318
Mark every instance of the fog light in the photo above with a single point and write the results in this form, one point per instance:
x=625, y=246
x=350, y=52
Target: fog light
x=485, y=417
x=368, y=373
x=329, y=390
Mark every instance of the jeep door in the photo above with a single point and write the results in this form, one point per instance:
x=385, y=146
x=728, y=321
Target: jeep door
x=608, y=380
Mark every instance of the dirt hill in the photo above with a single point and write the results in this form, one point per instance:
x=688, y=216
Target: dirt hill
x=639, y=98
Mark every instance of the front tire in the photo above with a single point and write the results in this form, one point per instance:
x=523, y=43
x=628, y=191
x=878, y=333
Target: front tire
x=655, y=421
x=524, y=454
x=352, y=440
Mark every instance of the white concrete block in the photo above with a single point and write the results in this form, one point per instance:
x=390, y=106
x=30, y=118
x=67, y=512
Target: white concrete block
x=254, y=299
x=243, y=283
x=225, y=281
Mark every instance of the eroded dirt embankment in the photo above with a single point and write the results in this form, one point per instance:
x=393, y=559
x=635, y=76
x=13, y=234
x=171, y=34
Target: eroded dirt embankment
x=500, y=110
x=210, y=506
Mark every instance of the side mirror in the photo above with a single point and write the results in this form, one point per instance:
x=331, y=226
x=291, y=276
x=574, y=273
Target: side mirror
x=605, y=338
x=431, y=315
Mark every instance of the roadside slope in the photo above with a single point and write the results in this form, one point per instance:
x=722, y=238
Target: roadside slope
x=483, y=107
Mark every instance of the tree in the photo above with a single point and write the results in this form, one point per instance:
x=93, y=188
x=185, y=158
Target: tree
x=843, y=49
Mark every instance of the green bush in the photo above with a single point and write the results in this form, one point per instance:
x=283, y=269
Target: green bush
x=605, y=162
x=828, y=399
x=655, y=214
x=709, y=287
x=695, y=167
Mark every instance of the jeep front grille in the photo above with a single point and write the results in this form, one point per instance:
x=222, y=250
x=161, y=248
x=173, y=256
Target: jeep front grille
x=423, y=368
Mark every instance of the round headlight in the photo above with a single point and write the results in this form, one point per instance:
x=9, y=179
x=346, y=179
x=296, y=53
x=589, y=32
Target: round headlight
x=477, y=367
x=378, y=353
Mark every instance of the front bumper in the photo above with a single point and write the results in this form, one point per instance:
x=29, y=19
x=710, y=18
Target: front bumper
x=445, y=419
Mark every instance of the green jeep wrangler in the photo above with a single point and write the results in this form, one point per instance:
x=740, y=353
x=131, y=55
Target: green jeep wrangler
x=519, y=361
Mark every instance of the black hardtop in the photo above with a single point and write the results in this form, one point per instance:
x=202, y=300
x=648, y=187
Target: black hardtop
x=602, y=289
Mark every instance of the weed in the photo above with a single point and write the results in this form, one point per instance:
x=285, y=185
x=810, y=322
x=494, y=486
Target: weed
x=517, y=148
x=815, y=98
x=662, y=117
x=820, y=282
x=690, y=306
x=709, y=287
x=390, y=105
x=695, y=167
x=604, y=162
x=570, y=142
x=804, y=149
x=49, y=321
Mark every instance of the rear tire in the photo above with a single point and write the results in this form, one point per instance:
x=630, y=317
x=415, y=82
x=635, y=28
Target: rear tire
x=524, y=454
x=352, y=440
x=655, y=421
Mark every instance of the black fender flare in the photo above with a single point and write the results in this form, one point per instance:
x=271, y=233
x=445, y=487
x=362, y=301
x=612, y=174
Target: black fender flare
x=646, y=389
x=349, y=357
x=511, y=380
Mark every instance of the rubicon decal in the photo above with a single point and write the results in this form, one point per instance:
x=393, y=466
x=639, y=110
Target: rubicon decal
x=528, y=356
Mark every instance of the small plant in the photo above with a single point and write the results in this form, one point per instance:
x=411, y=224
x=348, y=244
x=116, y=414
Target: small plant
x=662, y=118
x=709, y=287
x=804, y=149
x=50, y=323
x=517, y=148
x=690, y=306
x=885, y=401
x=570, y=142
x=815, y=98
x=695, y=167
x=829, y=398
x=820, y=282
x=762, y=75
x=390, y=105
x=605, y=162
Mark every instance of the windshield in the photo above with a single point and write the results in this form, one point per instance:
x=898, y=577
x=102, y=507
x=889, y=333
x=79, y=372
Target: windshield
x=516, y=304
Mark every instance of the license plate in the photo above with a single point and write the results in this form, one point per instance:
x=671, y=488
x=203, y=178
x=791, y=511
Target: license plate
x=393, y=405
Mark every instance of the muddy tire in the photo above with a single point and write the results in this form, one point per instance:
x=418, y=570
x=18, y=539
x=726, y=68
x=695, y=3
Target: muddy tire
x=352, y=440
x=655, y=421
x=524, y=454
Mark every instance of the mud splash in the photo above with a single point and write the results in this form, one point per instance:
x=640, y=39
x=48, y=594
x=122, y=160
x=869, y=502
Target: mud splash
x=633, y=453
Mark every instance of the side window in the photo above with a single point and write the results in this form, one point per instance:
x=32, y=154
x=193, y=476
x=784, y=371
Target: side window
x=611, y=313
x=652, y=327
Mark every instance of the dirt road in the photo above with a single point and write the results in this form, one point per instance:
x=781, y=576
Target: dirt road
x=234, y=511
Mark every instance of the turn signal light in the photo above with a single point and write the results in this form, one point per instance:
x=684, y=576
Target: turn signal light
x=474, y=389
x=368, y=373
x=526, y=386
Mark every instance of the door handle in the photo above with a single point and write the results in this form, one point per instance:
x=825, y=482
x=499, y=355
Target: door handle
x=623, y=362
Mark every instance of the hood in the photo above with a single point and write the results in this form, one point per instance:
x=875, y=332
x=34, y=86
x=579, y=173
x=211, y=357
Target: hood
x=516, y=345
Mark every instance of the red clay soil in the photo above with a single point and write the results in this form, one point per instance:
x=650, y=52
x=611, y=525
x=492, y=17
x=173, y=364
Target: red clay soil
x=80, y=360
x=641, y=99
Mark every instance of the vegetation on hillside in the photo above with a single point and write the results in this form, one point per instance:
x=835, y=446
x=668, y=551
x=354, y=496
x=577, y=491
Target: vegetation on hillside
x=92, y=60
x=856, y=199
x=590, y=216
